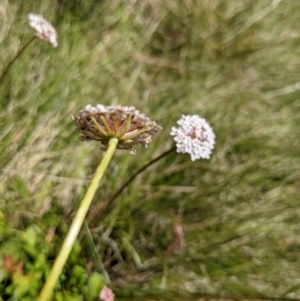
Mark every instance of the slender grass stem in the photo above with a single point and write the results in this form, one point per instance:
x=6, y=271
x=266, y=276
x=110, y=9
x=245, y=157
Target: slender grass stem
x=127, y=183
x=95, y=254
x=76, y=224
x=7, y=68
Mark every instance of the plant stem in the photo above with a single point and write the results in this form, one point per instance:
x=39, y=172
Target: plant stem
x=95, y=254
x=6, y=70
x=77, y=223
x=114, y=197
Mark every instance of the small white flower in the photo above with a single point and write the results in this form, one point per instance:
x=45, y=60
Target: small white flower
x=194, y=136
x=44, y=30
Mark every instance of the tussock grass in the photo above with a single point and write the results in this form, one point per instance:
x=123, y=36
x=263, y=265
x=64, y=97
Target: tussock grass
x=235, y=64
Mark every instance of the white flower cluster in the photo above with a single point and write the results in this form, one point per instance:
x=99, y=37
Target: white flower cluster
x=194, y=136
x=44, y=30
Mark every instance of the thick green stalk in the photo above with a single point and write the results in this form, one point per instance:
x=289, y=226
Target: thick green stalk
x=76, y=224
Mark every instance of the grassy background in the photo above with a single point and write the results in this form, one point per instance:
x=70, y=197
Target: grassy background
x=235, y=64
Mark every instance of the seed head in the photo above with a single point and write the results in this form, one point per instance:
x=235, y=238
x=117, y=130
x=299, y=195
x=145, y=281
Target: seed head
x=194, y=136
x=101, y=123
x=43, y=29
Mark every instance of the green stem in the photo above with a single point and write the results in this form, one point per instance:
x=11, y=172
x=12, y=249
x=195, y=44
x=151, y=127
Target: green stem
x=77, y=223
x=126, y=184
x=6, y=70
x=95, y=254
x=140, y=171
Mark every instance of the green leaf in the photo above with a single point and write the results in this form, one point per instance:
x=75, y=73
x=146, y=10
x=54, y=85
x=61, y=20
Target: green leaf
x=95, y=283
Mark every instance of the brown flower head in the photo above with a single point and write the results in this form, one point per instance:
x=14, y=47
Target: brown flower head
x=101, y=123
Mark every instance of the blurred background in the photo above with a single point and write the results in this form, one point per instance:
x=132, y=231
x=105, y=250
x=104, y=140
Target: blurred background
x=234, y=63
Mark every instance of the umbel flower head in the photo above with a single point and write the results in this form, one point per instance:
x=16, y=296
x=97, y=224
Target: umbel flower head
x=101, y=123
x=194, y=136
x=43, y=29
